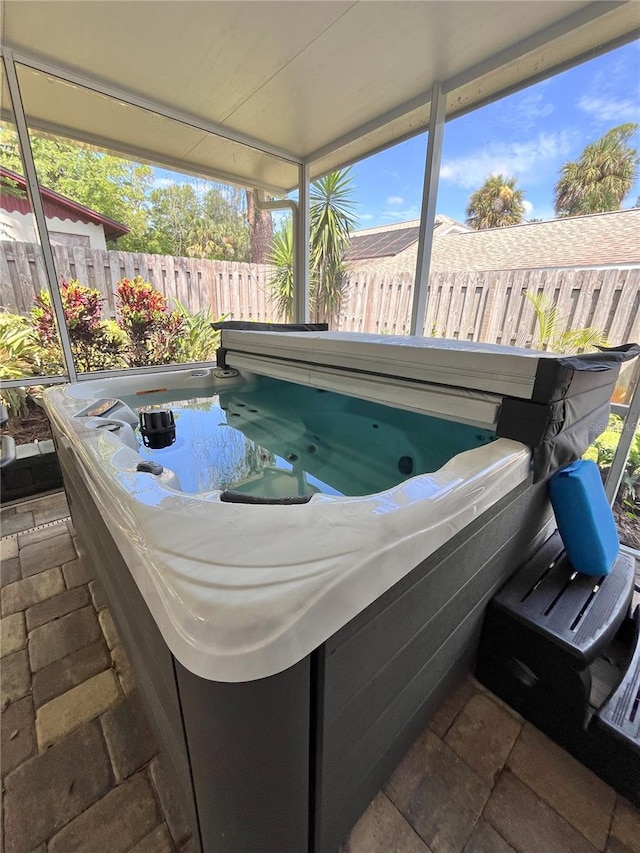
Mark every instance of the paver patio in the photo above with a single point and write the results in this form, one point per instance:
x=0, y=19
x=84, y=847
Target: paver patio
x=82, y=772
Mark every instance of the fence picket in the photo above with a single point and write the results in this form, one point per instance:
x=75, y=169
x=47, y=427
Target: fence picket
x=488, y=306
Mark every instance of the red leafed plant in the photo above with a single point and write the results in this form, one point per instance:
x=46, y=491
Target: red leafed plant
x=92, y=346
x=154, y=331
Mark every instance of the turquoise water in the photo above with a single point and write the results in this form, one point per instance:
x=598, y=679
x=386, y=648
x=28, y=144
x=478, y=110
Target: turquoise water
x=277, y=439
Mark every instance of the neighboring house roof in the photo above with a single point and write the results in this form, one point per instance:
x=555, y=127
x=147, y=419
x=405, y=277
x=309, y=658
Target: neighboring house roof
x=58, y=206
x=597, y=240
x=389, y=240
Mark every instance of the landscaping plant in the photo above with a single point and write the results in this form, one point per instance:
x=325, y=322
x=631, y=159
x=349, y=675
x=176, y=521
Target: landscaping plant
x=153, y=330
x=18, y=358
x=93, y=343
x=199, y=340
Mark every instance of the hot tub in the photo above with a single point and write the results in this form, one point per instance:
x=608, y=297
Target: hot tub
x=300, y=577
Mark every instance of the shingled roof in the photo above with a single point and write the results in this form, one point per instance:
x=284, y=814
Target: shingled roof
x=387, y=241
x=57, y=205
x=599, y=240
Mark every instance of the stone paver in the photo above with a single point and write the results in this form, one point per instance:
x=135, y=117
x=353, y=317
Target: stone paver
x=483, y=735
x=25, y=593
x=31, y=537
x=108, y=628
x=56, y=607
x=8, y=549
x=382, y=829
x=97, y=595
x=62, y=637
x=486, y=840
x=18, y=734
x=573, y=791
x=170, y=797
x=16, y=523
x=438, y=793
x=13, y=635
x=48, y=515
x=68, y=672
x=68, y=711
x=114, y=824
x=450, y=708
x=9, y=571
x=49, y=790
x=528, y=823
x=129, y=737
x=46, y=554
x=77, y=572
x=159, y=841
x=15, y=677
x=98, y=785
x=122, y=667
x=625, y=829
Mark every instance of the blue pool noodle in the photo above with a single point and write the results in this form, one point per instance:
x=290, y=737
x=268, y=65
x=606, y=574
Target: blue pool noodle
x=585, y=521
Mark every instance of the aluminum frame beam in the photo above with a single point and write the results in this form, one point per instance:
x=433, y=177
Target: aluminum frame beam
x=614, y=477
x=435, y=139
x=38, y=212
x=301, y=253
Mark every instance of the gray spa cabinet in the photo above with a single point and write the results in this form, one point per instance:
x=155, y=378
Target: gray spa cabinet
x=286, y=764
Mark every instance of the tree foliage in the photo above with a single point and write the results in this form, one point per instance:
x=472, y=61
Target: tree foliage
x=198, y=222
x=601, y=177
x=332, y=220
x=551, y=337
x=496, y=203
x=204, y=220
x=114, y=187
x=281, y=258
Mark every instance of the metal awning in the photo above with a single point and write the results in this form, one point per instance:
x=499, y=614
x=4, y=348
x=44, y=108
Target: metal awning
x=323, y=83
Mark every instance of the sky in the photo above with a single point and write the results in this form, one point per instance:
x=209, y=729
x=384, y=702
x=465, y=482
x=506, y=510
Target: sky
x=529, y=135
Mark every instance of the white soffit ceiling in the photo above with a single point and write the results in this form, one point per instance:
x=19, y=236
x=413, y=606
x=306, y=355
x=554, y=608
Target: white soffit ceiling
x=298, y=77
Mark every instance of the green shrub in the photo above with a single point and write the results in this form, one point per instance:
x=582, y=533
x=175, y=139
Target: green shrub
x=199, y=340
x=18, y=358
x=602, y=452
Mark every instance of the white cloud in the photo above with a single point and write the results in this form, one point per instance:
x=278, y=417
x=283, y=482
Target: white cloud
x=529, y=160
x=365, y=217
x=606, y=109
x=528, y=207
x=162, y=183
x=533, y=106
x=613, y=93
x=404, y=215
x=395, y=200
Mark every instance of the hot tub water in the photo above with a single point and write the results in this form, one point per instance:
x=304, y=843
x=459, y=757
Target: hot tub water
x=272, y=438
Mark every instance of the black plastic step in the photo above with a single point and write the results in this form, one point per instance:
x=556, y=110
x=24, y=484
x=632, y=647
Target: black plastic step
x=577, y=612
x=620, y=715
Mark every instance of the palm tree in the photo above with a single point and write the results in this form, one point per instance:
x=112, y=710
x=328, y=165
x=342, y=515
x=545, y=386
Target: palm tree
x=550, y=321
x=497, y=203
x=603, y=175
x=281, y=257
x=331, y=222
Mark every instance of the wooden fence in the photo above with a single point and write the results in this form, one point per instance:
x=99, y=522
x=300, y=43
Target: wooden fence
x=486, y=306
x=241, y=290
x=491, y=306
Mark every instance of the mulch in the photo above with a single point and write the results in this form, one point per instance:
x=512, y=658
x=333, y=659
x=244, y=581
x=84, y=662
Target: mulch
x=33, y=426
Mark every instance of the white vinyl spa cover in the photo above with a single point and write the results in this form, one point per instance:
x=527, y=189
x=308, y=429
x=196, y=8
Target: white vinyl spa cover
x=461, y=364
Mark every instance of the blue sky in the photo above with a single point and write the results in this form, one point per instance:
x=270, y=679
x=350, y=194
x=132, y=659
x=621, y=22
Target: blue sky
x=528, y=135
